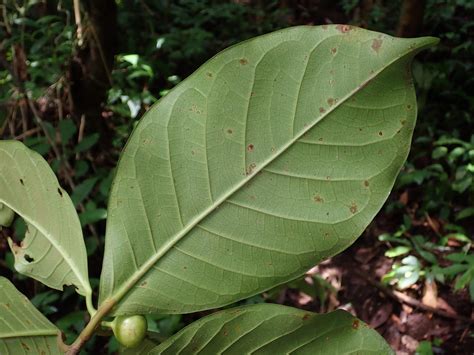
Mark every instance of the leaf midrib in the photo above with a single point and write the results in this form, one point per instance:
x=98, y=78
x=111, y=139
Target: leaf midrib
x=30, y=333
x=138, y=274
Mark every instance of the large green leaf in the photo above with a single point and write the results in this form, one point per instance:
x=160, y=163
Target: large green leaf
x=275, y=154
x=143, y=348
x=23, y=329
x=275, y=329
x=53, y=250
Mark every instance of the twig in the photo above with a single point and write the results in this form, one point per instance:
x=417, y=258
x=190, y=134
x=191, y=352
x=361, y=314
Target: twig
x=5, y=19
x=24, y=116
x=7, y=120
x=88, y=331
x=403, y=298
x=27, y=133
x=77, y=17
x=82, y=125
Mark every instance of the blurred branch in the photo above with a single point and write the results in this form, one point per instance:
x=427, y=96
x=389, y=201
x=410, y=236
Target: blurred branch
x=403, y=298
x=77, y=17
x=5, y=22
x=410, y=22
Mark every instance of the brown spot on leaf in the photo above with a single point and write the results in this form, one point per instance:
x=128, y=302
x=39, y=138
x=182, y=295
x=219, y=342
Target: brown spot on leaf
x=333, y=50
x=355, y=324
x=230, y=131
x=22, y=182
x=380, y=133
x=330, y=101
x=24, y=346
x=243, y=61
x=250, y=148
x=306, y=316
x=343, y=28
x=403, y=122
x=250, y=168
x=322, y=110
x=377, y=44
x=408, y=107
x=318, y=198
x=60, y=192
x=353, y=208
x=144, y=283
x=366, y=183
x=209, y=74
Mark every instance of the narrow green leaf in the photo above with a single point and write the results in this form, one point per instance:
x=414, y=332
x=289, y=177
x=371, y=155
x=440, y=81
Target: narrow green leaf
x=397, y=251
x=92, y=216
x=454, y=269
x=275, y=329
x=465, y=213
x=274, y=155
x=23, y=329
x=456, y=257
x=68, y=129
x=83, y=190
x=87, y=143
x=439, y=152
x=53, y=249
x=464, y=279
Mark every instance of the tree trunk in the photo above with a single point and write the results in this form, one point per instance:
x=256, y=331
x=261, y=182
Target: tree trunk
x=410, y=22
x=90, y=67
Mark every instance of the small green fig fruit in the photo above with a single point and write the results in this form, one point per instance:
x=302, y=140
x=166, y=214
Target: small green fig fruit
x=130, y=330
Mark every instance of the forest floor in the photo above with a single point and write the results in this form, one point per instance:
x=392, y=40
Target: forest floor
x=404, y=318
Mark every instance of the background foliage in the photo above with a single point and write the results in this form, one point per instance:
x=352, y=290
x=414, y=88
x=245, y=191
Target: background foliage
x=73, y=92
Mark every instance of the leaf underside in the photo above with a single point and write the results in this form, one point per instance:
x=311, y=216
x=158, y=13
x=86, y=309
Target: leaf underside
x=23, y=329
x=275, y=154
x=143, y=348
x=275, y=329
x=53, y=250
